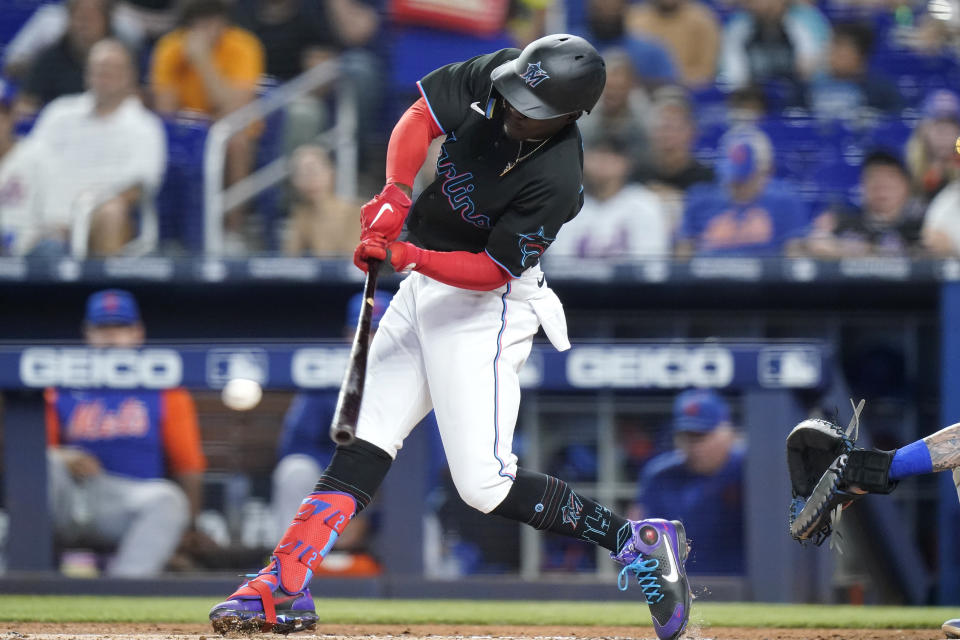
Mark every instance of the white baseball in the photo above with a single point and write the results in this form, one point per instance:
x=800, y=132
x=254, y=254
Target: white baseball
x=241, y=394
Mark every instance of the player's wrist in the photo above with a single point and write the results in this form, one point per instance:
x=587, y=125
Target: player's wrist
x=405, y=256
x=397, y=193
x=405, y=188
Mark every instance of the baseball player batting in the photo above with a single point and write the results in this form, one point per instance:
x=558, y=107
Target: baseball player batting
x=457, y=333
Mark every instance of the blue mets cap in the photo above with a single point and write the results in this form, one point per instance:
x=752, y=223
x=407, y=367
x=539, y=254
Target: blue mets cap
x=746, y=151
x=380, y=302
x=739, y=164
x=699, y=410
x=112, y=307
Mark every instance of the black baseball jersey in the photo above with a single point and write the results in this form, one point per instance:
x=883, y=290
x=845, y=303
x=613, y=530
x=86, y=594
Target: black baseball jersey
x=472, y=207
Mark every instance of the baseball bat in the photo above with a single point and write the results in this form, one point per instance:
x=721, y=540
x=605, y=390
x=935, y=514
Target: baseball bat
x=343, y=429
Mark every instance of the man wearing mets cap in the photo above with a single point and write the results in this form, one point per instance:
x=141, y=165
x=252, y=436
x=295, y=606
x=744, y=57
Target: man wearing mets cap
x=700, y=482
x=113, y=320
x=746, y=212
x=111, y=451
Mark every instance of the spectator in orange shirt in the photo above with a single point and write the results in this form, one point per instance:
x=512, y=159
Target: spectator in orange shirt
x=212, y=67
x=110, y=452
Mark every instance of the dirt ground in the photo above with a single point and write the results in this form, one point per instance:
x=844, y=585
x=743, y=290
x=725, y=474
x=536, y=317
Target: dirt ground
x=139, y=631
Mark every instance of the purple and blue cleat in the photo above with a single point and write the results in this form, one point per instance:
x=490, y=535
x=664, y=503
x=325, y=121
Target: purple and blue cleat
x=656, y=553
x=951, y=628
x=261, y=604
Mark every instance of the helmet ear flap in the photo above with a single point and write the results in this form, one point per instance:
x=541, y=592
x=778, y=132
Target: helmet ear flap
x=495, y=105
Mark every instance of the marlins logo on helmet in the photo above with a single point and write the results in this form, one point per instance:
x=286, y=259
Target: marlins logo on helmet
x=534, y=74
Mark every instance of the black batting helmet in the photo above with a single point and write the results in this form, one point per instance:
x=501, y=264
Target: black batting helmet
x=554, y=76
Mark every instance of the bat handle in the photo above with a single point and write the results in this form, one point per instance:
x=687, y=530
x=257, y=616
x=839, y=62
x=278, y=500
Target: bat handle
x=344, y=436
x=370, y=284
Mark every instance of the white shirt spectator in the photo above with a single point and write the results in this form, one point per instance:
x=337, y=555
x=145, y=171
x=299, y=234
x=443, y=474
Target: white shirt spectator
x=943, y=215
x=82, y=156
x=630, y=224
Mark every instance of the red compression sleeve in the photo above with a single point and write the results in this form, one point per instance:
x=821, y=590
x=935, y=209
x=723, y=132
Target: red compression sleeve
x=475, y=271
x=409, y=142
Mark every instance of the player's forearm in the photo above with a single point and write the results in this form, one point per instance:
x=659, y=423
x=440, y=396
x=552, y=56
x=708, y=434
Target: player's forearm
x=474, y=271
x=944, y=448
x=409, y=142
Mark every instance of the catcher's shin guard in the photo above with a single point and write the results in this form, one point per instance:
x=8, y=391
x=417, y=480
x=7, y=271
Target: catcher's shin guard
x=277, y=598
x=656, y=554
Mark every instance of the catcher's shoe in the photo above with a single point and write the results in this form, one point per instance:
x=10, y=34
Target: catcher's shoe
x=261, y=604
x=951, y=628
x=656, y=554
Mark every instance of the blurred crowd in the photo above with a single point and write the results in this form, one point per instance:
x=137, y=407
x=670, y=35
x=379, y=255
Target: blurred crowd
x=824, y=128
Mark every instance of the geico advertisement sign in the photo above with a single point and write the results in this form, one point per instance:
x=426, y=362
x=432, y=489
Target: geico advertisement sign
x=116, y=368
x=657, y=367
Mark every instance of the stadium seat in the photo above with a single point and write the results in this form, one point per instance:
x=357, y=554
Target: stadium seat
x=408, y=63
x=268, y=204
x=180, y=200
x=800, y=144
x=887, y=133
x=15, y=15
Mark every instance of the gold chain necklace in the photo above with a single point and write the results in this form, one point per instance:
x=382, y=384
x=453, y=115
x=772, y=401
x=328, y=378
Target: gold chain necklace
x=510, y=165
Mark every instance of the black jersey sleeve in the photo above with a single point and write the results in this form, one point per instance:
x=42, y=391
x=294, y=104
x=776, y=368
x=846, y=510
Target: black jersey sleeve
x=530, y=225
x=450, y=90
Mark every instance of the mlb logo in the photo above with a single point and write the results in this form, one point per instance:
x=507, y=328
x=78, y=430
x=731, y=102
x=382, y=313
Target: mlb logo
x=224, y=365
x=790, y=367
x=534, y=74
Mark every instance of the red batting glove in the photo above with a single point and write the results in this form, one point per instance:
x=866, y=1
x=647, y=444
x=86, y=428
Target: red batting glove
x=404, y=256
x=373, y=246
x=385, y=213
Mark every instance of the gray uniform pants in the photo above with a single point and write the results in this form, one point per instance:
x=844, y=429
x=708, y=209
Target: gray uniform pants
x=144, y=518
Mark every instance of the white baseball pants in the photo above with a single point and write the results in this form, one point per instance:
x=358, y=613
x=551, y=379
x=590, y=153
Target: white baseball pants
x=459, y=352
